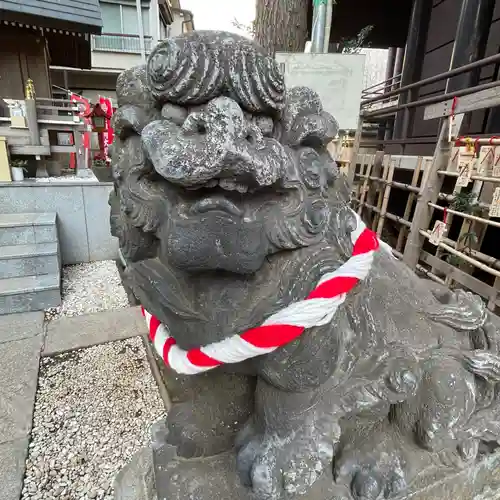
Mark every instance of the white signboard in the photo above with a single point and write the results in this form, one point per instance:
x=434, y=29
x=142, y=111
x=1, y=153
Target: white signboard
x=337, y=78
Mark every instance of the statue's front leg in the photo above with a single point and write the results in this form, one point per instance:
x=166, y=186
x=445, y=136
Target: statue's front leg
x=287, y=444
x=207, y=411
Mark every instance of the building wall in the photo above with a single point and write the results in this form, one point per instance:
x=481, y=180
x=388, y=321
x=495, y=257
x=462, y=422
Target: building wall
x=438, y=51
x=23, y=55
x=93, y=95
x=177, y=26
x=88, y=82
x=375, y=66
x=114, y=60
x=123, y=52
x=82, y=215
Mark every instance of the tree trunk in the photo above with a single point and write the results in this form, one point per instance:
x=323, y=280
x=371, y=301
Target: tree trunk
x=281, y=25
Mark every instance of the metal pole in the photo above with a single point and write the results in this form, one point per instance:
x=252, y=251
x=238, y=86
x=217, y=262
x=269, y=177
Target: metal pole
x=141, y=30
x=385, y=128
x=470, y=40
x=398, y=66
x=328, y=26
x=66, y=81
x=319, y=25
x=470, y=44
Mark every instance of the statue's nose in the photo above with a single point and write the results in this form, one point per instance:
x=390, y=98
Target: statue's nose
x=222, y=121
x=217, y=142
x=238, y=145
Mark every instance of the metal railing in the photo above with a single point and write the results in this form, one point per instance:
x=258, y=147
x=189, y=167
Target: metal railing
x=378, y=91
x=115, y=42
x=383, y=97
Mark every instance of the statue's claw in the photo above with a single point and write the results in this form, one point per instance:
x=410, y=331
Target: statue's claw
x=283, y=467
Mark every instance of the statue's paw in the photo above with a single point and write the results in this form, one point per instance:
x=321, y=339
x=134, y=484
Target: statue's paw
x=461, y=456
x=376, y=481
x=370, y=484
x=185, y=432
x=376, y=462
x=196, y=429
x=277, y=468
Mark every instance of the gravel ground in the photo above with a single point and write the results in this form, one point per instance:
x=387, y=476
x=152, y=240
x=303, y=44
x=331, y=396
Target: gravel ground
x=93, y=411
x=89, y=288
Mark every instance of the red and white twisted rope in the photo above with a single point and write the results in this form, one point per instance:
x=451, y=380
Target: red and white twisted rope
x=317, y=309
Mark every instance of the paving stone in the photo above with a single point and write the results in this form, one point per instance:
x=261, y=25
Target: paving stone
x=66, y=334
x=29, y=293
x=12, y=464
x=18, y=376
x=20, y=326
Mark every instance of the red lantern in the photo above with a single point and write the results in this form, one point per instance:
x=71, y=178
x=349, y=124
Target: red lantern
x=98, y=118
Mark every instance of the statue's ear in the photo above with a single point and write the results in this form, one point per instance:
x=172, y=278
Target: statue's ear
x=315, y=130
x=304, y=122
x=135, y=244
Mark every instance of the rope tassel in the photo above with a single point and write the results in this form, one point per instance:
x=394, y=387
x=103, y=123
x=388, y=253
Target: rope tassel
x=317, y=309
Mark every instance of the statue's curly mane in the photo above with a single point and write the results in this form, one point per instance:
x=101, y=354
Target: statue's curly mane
x=193, y=69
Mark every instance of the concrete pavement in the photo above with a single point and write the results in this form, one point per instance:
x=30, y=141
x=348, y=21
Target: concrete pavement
x=23, y=339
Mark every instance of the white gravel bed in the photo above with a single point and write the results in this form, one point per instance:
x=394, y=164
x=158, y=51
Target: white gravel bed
x=89, y=288
x=93, y=411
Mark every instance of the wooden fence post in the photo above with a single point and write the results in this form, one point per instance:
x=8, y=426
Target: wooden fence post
x=355, y=152
x=409, y=203
x=376, y=171
x=387, y=193
x=32, y=121
x=366, y=182
x=429, y=193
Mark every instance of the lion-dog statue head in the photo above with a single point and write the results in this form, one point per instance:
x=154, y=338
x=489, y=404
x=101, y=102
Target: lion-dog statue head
x=218, y=166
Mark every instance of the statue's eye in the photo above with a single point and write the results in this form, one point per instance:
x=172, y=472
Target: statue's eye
x=174, y=114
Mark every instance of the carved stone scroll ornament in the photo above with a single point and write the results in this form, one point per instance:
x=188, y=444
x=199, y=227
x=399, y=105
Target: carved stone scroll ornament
x=228, y=209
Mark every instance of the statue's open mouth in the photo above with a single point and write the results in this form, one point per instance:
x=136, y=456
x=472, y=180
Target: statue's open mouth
x=226, y=194
x=220, y=194
x=216, y=202
x=225, y=184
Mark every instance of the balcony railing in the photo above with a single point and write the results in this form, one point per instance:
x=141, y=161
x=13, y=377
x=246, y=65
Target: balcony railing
x=114, y=42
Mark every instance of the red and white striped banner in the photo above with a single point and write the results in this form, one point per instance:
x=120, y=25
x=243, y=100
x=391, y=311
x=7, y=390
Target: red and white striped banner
x=317, y=309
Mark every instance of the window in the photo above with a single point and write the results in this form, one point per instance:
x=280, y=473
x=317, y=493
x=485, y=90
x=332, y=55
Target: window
x=130, y=25
x=122, y=19
x=119, y=20
x=145, y=22
x=111, y=18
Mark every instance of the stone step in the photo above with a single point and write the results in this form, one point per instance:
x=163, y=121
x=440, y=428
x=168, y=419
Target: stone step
x=29, y=293
x=29, y=260
x=29, y=228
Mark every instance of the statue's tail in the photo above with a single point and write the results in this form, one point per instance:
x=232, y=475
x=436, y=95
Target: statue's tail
x=483, y=360
x=466, y=312
x=484, y=364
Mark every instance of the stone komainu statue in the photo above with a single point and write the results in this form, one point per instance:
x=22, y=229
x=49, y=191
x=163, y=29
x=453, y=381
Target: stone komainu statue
x=228, y=208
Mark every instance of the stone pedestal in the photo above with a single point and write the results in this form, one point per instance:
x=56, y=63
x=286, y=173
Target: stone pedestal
x=156, y=473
